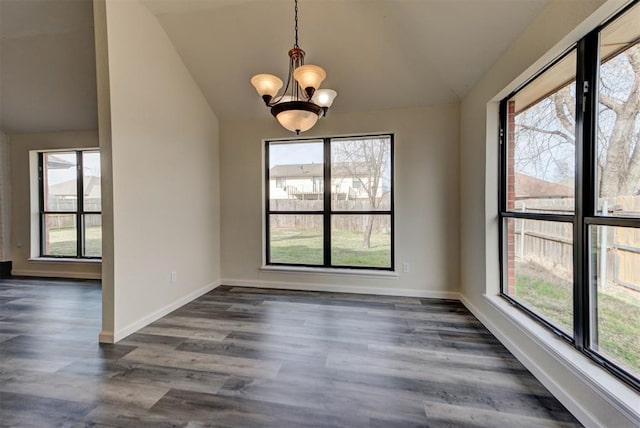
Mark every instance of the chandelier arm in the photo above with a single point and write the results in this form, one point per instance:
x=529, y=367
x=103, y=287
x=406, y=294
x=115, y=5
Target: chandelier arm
x=277, y=99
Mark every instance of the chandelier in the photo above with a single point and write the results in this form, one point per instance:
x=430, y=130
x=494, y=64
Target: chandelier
x=301, y=104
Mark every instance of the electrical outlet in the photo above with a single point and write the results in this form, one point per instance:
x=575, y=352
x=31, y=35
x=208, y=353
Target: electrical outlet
x=174, y=276
x=405, y=267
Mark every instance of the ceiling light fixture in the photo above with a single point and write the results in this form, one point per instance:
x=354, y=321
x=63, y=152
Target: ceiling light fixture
x=301, y=104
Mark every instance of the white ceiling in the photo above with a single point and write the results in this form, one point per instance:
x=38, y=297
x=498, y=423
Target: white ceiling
x=378, y=54
x=47, y=66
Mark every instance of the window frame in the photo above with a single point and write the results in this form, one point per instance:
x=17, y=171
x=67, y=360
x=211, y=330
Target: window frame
x=327, y=212
x=79, y=212
x=585, y=215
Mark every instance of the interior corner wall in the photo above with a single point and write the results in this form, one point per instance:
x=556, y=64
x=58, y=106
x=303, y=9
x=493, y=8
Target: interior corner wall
x=23, y=209
x=425, y=191
x=557, y=27
x=164, y=172
x=5, y=199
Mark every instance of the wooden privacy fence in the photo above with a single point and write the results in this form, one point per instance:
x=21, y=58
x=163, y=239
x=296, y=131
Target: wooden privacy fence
x=313, y=222
x=550, y=244
x=62, y=221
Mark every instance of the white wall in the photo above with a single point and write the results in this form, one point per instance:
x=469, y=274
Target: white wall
x=426, y=200
x=559, y=25
x=162, y=141
x=5, y=199
x=24, y=204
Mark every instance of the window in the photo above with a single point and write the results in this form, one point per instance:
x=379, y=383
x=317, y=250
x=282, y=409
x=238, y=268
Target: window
x=70, y=204
x=318, y=219
x=570, y=196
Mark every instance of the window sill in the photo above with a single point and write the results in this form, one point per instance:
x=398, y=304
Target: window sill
x=63, y=260
x=330, y=271
x=614, y=391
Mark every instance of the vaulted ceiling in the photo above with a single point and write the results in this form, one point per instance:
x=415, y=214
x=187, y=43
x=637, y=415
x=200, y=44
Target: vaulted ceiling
x=378, y=54
x=47, y=66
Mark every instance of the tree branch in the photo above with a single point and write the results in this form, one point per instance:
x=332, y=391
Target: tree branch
x=610, y=102
x=568, y=138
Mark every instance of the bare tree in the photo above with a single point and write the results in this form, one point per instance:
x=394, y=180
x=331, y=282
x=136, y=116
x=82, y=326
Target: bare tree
x=545, y=132
x=367, y=162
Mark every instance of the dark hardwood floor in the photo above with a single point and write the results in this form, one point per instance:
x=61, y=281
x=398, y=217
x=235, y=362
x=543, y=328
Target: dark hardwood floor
x=242, y=357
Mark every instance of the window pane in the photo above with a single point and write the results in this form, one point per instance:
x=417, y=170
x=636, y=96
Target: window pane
x=60, y=235
x=618, y=148
x=361, y=174
x=540, y=138
x=92, y=235
x=91, y=181
x=361, y=240
x=539, y=268
x=615, y=295
x=60, y=181
x=296, y=175
x=296, y=239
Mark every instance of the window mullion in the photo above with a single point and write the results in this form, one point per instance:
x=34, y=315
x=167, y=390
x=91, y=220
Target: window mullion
x=587, y=65
x=41, y=200
x=79, y=204
x=591, y=63
x=327, y=203
x=267, y=226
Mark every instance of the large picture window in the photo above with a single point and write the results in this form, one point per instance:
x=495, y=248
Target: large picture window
x=70, y=204
x=329, y=202
x=570, y=196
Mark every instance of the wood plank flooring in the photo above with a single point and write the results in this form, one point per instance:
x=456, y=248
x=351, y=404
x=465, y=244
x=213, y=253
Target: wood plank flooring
x=240, y=357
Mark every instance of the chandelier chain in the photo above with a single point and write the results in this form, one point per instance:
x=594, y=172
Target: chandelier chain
x=296, y=13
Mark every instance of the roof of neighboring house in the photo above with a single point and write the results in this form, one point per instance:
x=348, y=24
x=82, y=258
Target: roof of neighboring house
x=304, y=170
x=532, y=187
x=54, y=162
x=92, y=188
x=297, y=170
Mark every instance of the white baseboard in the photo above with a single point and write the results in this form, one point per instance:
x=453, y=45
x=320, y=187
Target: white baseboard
x=566, y=399
x=148, y=319
x=106, y=336
x=56, y=274
x=578, y=409
x=337, y=288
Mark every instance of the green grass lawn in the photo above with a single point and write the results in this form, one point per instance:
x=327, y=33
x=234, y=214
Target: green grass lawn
x=305, y=247
x=62, y=242
x=618, y=314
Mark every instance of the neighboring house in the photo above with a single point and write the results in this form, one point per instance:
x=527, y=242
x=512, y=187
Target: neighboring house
x=62, y=194
x=528, y=187
x=54, y=162
x=305, y=181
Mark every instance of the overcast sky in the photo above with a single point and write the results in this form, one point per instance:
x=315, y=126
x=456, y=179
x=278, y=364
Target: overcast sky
x=91, y=164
